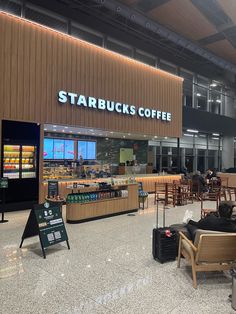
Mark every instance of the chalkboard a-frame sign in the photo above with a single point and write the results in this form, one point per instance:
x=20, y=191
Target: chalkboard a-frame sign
x=46, y=221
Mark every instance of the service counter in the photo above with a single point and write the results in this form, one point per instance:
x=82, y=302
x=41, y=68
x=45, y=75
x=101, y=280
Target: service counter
x=148, y=181
x=124, y=200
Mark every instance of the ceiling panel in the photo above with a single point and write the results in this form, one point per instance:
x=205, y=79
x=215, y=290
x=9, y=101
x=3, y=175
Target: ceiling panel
x=184, y=18
x=229, y=7
x=223, y=49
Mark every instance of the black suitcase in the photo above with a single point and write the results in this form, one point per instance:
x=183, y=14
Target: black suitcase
x=164, y=242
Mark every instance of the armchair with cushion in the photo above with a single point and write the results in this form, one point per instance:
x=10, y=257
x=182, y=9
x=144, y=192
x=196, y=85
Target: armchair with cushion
x=211, y=251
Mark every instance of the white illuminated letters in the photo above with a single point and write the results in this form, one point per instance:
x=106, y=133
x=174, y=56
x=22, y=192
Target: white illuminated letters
x=112, y=106
x=62, y=96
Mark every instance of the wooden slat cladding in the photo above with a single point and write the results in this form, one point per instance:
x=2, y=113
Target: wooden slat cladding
x=37, y=62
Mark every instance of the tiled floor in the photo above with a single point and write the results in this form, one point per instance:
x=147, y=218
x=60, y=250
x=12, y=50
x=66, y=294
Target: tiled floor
x=109, y=269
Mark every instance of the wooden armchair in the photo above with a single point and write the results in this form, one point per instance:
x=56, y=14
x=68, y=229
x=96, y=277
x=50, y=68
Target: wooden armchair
x=160, y=192
x=211, y=251
x=210, y=196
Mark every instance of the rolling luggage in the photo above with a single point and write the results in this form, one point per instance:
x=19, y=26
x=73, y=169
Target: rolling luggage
x=164, y=241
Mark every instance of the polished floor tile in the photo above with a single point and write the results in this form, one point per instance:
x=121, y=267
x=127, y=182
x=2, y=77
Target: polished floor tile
x=109, y=269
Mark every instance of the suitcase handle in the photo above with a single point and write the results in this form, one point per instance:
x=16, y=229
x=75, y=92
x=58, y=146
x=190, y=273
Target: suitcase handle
x=164, y=216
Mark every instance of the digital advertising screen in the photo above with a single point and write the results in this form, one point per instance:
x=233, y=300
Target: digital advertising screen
x=59, y=149
x=48, y=148
x=82, y=149
x=69, y=149
x=87, y=149
x=91, y=150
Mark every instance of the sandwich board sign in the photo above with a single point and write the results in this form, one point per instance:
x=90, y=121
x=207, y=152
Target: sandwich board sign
x=46, y=221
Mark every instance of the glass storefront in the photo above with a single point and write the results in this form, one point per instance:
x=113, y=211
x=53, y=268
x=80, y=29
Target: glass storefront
x=197, y=152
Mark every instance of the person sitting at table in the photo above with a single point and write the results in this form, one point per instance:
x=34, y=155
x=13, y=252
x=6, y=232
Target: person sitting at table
x=210, y=174
x=222, y=223
x=199, y=183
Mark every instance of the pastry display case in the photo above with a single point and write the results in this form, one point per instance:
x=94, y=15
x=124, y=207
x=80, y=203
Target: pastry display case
x=19, y=161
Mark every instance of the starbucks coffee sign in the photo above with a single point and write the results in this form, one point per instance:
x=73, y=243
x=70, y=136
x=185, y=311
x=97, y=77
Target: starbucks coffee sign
x=79, y=100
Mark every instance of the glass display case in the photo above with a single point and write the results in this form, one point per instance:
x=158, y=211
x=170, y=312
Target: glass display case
x=19, y=161
x=11, y=161
x=28, y=160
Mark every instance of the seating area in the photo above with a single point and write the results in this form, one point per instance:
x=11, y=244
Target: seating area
x=109, y=269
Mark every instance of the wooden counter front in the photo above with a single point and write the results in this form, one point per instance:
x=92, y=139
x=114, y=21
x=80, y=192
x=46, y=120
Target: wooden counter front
x=80, y=212
x=149, y=181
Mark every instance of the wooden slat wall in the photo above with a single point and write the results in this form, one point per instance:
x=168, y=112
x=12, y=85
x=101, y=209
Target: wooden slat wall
x=36, y=62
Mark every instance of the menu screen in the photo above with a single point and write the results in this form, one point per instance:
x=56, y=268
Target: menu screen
x=82, y=149
x=59, y=147
x=91, y=150
x=69, y=149
x=48, y=148
x=87, y=149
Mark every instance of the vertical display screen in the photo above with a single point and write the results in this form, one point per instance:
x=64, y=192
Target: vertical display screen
x=59, y=149
x=82, y=149
x=69, y=149
x=48, y=149
x=91, y=150
x=87, y=149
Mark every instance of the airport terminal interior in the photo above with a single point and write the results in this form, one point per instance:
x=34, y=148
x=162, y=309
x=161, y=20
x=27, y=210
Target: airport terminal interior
x=118, y=156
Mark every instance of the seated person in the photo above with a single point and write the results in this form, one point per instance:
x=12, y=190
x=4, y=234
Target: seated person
x=222, y=223
x=210, y=174
x=198, y=180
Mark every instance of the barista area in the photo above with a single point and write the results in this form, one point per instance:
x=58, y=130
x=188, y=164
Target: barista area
x=99, y=168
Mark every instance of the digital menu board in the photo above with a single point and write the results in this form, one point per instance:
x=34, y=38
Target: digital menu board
x=91, y=150
x=87, y=149
x=48, y=148
x=82, y=149
x=69, y=149
x=58, y=149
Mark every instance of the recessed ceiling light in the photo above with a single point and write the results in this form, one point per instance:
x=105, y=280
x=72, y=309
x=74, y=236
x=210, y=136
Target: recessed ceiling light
x=107, y=138
x=45, y=129
x=54, y=126
x=199, y=95
x=155, y=136
x=66, y=127
x=91, y=130
x=165, y=137
x=63, y=130
x=192, y=131
x=185, y=134
x=145, y=136
x=111, y=132
x=129, y=134
x=213, y=84
x=123, y=136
